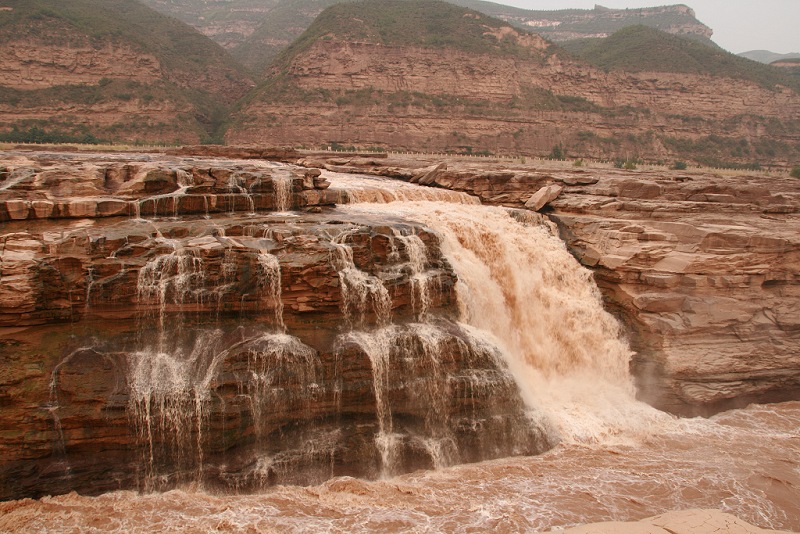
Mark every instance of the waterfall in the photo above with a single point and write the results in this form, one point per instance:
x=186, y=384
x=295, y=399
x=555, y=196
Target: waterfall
x=362, y=292
x=171, y=278
x=421, y=280
x=283, y=182
x=269, y=282
x=370, y=189
x=510, y=377
x=437, y=374
x=518, y=283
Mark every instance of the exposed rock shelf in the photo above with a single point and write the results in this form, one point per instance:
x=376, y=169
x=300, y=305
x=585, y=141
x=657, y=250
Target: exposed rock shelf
x=703, y=269
x=64, y=185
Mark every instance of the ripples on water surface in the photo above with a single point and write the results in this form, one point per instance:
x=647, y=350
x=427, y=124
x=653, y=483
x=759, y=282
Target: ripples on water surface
x=744, y=462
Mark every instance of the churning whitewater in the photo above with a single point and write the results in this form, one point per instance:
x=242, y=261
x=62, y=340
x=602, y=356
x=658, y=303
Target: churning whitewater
x=530, y=326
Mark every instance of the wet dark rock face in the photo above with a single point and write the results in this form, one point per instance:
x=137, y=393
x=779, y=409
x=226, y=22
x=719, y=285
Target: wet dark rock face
x=164, y=344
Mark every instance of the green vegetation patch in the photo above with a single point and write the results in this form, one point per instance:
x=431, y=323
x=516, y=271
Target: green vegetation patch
x=731, y=152
x=35, y=134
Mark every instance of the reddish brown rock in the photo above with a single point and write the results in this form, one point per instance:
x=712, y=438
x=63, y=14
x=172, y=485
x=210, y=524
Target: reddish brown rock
x=150, y=352
x=84, y=186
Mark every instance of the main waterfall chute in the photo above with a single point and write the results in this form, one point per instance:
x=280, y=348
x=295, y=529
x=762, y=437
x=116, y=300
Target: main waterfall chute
x=520, y=287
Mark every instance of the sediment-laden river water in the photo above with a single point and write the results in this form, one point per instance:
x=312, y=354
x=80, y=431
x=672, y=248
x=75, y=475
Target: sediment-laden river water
x=746, y=462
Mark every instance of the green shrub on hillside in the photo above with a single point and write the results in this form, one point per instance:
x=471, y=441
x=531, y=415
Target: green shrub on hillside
x=38, y=135
x=795, y=172
x=558, y=153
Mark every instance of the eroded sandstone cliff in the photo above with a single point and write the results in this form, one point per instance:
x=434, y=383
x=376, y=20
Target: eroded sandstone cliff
x=166, y=320
x=506, y=91
x=118, y=71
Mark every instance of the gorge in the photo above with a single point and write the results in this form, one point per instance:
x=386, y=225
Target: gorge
x=214, y=331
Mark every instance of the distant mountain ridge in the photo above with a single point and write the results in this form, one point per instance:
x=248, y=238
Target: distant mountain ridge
x=568, y=24
x=641, y=49
x=255, y=32
x=765, y=56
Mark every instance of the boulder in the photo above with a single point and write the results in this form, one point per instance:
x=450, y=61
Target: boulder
x=428, y=175
x=543, y=196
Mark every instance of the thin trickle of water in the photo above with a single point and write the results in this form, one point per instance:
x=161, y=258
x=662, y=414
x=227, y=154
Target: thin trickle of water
x=421, y=280
x=282, y=376
x=169, y=391
x=16, y=177
x=171, y=278
x=282, y=182
x=137, y=210
x=269, y=285
x=171, y=199
x=237, y=186
x=377, y=347
x=89, y=285
x=362, y=292
x=171, y=388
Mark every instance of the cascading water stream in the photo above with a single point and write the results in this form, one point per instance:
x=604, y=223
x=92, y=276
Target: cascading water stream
x=172, y=372
x=269, y=282
x=370, y=189
x=184, y=181
x=519, y=284
x=421, y=280
x=362, y=292
x=283, y=183
x=237, y=186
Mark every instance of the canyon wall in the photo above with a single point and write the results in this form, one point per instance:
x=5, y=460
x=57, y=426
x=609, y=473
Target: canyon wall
x=115, y=72
x=368, y=94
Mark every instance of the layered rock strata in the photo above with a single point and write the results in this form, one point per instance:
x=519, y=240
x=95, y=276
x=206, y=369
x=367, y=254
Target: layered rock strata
x=355, y=91
x=234, y=350
x=64, y=185
x=703, y=269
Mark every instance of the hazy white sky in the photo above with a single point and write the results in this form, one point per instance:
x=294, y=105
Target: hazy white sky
x=739, y=25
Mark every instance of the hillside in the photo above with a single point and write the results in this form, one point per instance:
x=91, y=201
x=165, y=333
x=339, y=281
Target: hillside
x=276, y=31
x=228, y=22
x=113, y=69
x=644, y=49
x=425, y=75
x=256, y=31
